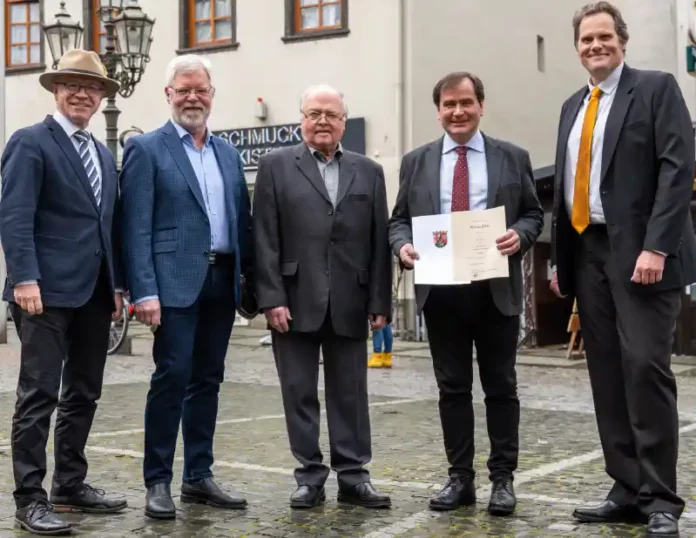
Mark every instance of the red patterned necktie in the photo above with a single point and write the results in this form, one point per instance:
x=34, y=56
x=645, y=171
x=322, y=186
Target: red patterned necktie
x=460, y=183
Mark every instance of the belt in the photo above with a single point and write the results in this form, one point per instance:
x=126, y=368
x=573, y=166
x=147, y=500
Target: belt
x=217, y=258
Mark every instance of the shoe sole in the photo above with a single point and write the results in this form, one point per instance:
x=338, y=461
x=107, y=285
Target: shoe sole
x=192, y=499
x=581, y=518
x=364, y=504
x=305, y=504
x=500, y=511
x=59, y=532
x=67, y=508
x=160, y=515
x=448, y=507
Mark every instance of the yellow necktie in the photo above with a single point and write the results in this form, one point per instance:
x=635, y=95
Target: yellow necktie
x=581, y=195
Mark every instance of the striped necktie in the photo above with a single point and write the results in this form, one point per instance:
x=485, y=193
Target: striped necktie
x=87, y=161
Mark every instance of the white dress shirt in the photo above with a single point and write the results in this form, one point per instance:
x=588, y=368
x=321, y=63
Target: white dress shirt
x=478, y=172
x=608, y=87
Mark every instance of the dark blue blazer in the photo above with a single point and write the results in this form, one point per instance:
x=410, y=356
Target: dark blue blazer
x=166, y=231
x=51, y=228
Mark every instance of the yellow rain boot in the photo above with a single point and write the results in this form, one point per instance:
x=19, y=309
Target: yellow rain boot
x=386, y=360
x=375, y=361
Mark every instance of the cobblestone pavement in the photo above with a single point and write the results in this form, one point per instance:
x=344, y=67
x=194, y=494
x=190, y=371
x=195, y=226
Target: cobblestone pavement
x=560, y=461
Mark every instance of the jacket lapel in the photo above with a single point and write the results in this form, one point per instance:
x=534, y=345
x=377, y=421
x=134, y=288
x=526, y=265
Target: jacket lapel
x=104, y=157
x=617, y=115
x=305, y=162
x=432, y=172
x=176, y=148
x=227, y=171
x=494, y=165
x=346, y=173
x=567, y=123
x=61, y=138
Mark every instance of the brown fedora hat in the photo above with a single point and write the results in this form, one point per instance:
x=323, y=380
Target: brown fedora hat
x=83, y=63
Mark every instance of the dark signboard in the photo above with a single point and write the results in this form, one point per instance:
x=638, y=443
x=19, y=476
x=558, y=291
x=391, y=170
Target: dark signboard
x=252, y=142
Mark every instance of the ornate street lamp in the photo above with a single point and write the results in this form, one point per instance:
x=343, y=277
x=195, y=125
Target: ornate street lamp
x=63, y=34
x=128, y=38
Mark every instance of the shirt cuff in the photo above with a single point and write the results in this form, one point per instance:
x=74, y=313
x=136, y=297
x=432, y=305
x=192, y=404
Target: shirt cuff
x=148, y=298
x=26, y=282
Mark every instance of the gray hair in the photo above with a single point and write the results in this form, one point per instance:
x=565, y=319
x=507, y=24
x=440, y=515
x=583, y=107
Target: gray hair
x=322, y=88
x=188, y=63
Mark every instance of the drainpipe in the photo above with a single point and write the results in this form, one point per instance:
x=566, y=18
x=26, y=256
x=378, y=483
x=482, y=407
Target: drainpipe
x=3, y=304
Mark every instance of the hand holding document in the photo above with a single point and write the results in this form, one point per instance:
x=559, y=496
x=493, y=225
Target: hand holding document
x=459, y=247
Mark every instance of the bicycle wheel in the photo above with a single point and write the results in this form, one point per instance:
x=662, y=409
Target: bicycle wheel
x=118, y=330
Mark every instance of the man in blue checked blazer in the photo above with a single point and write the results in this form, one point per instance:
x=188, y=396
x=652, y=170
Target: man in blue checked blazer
x=186, y=241
x=58, y=225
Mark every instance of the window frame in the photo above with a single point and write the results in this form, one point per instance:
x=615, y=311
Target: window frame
x=187, y=30
x=24, y=68
x=293, y=33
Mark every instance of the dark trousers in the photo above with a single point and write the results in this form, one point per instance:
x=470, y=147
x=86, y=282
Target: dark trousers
x=345, y=378
x=65, y=345
x=189, y=353
x=628, y=335
x=457, y=318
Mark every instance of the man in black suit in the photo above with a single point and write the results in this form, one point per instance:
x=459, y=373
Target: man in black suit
x=624, y=246
x=466, y=170
x=323, y=271
x=57, y=211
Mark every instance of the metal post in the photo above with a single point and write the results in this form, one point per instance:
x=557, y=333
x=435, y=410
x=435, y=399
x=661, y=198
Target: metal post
x=111, y=111
x=3, y=304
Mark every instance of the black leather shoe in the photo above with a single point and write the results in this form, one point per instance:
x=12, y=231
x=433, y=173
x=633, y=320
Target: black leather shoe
x=38, y=518
x=364, y=495
x=608, y=512
x=503, y=500
x=663, y=525
x=159, y=503
x=307, y=497
x=207, y=491
x=87, y=499
x=458, y=491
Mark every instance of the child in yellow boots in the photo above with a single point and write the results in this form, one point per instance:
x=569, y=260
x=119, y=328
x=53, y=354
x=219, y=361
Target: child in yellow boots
x=381, y=359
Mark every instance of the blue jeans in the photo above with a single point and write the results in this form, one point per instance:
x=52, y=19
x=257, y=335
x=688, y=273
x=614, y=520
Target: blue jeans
x=189, y=353
x=382, y=336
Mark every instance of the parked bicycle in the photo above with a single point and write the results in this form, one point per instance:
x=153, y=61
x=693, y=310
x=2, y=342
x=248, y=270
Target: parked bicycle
x=119, y=328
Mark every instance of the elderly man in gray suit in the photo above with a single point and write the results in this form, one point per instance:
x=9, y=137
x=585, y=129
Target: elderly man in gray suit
x=323, y=271
x=467, y=171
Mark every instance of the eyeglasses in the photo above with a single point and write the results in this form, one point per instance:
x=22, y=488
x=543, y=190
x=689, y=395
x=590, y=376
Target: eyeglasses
x=93, y=90
x=316, y=115
x=200, y=92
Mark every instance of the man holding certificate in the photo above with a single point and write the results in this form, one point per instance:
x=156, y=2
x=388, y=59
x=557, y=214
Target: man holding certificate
x=467, y=171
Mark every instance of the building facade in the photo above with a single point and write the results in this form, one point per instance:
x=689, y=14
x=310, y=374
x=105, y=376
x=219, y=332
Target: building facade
x=384, y=55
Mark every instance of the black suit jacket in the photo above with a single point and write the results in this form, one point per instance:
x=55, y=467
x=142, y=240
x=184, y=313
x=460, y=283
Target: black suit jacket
x=646, y=181
x=51, y=227
x=510, y=184
x=310, y=255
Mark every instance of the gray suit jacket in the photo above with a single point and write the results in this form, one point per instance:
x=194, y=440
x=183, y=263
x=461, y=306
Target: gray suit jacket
x=510, y=183
x=311, y=255
x=646, y=181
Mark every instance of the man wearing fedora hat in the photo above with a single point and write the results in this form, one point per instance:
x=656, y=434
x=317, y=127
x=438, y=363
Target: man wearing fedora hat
x=58, y=210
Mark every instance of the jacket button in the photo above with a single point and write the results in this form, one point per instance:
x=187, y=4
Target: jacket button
x=327, y=271
x=329, y=212
x=98, y=252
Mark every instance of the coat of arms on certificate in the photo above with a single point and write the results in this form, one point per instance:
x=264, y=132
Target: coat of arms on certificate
x=440, y=238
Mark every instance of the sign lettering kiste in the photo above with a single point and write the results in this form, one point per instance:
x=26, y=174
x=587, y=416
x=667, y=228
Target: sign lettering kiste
x=253, y=142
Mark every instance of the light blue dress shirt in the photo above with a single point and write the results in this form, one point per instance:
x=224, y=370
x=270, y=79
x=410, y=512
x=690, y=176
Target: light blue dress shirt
x=209, y=175
x=478, y=173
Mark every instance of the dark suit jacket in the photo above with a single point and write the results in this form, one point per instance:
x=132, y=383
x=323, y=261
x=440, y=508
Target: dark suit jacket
x=646, y=181
x=51, y=228
x=310, y=254
x=166, y=231
x=510, y=184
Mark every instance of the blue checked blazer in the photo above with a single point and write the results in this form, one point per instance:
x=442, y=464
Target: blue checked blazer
x=166, y=232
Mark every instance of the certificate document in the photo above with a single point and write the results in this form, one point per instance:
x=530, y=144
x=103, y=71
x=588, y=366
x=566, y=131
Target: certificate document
x=459, y=247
